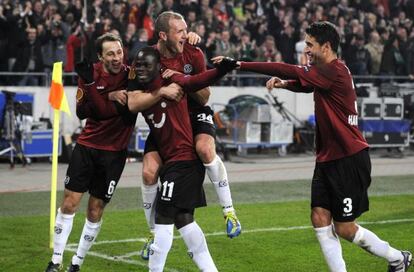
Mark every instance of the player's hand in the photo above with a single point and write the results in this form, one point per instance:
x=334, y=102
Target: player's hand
x=169, y=73
x=193, y=38
x=225, y=63
x=119, y=96
x=276, y=82
x=172, y=92
x=84, y=69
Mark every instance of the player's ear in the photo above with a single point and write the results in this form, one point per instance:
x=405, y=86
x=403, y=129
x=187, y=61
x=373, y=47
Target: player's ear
x=163, y=35
x=326, y=47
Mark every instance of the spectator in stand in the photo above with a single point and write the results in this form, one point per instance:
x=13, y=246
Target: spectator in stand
x=211, y=45
x=392, y=62
x=260, y=35
x=81, y=45
x=3, y=44
x=54, y=42
x=299, y=50
x=246, y=51
x=286, y=44
x=375, y=49
x=410, y=56
x=223, y=45
x=236, y=33
x=29, y=59
x=210, y=21
x=136, y=44
x=357, y=57
x=268, y=50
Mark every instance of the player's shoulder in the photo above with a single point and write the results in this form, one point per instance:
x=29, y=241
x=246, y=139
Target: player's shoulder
x=192, y=49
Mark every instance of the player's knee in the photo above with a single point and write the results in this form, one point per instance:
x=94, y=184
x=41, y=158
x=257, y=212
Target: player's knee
x=346, y=230
x=320, y=217
x=69, y=206
x=94, y=213
x=206, y=152
x=149, y=176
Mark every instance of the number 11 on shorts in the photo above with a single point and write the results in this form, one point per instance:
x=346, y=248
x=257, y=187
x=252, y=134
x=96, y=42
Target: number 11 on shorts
x=167, y=190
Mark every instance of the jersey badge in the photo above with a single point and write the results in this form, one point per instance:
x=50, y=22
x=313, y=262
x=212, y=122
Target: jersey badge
x=79, y=95
x=188, y=68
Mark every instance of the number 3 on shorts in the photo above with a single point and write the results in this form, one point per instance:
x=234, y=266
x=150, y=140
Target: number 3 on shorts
x=348, y=205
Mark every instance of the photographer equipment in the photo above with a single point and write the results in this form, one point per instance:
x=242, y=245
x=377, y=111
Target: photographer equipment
x=10, y=131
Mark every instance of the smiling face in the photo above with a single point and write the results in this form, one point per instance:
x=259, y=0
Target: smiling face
x=176, y=36
x=112, y=56
x=314, y=51
x=146, y=67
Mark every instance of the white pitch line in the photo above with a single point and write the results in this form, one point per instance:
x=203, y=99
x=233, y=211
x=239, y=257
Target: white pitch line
x=123, y=258
x=133, y=240
x=120, y=259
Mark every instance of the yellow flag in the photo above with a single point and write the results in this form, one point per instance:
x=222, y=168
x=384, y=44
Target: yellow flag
x=57, y=96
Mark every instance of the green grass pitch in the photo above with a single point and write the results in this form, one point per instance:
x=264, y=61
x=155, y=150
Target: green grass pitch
x=276, y=230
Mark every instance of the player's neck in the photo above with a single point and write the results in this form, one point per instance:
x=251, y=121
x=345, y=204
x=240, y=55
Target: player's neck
x=331, y=57
x=328, y=59
x=164, y=50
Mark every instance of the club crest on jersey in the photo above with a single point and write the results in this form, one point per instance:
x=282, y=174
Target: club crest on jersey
x=188, y=68
x=79, y=95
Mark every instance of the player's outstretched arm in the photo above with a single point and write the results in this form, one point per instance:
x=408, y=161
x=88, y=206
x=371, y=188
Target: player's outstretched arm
x=194, y=83
x=277, y=69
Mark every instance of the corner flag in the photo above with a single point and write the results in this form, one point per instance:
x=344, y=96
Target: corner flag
x=58, y=101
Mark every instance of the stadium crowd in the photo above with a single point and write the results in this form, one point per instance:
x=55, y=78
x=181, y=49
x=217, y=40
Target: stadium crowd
x=377, y=36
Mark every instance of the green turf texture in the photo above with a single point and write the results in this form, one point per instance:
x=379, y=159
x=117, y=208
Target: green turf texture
x=265, y=209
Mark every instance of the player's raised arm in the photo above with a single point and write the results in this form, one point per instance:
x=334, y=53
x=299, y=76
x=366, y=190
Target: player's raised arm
x=89, y=103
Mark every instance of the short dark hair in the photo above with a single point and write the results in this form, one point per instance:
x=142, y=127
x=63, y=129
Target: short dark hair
x=107, y=37
x=162, y=23
x=149, y=50
x=324, y=32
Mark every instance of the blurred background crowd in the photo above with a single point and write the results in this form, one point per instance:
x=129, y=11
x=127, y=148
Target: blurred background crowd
x=377, y=36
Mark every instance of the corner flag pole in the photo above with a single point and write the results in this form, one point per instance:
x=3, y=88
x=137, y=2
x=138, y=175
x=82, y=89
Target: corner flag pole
x=58, y=101
x=53, y=182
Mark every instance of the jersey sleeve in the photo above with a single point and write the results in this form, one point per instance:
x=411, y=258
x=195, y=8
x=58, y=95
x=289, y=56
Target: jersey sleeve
x=193, y=83
x=295, y=86
x=320, y=77
x=199, y=62
x=91, y=104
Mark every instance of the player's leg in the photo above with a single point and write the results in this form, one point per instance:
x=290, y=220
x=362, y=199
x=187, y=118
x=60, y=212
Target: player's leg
x=163, y=239
x=359, y=179
x=90, y=231
x=322, y=223
x=369, y=241
x=108, y=167
x=76, y=183
x=151, y=164
x=63, y=227
x=195, y=241
x=204, y=138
